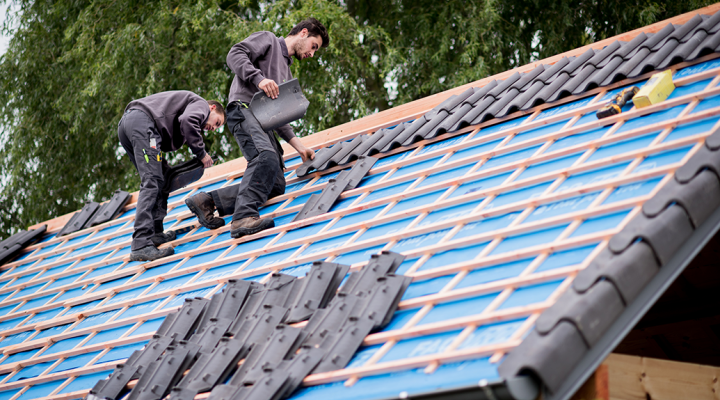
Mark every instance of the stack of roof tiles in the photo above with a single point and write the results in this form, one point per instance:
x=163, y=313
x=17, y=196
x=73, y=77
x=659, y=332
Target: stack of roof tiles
x=517, y=233
x=200, y=347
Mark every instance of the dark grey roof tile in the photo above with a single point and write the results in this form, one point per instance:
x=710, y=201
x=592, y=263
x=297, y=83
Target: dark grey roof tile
x=599, y=76
x=427, y=131
x=632, y=67
x=532, y=96
x=620, y=57
x=409, y=131
x=347, y=149
x=664, y=232
x=709, y=23
x=453, y=101
x=683, y=51
x=11, y=246
x=369, y=140
x=615, y=74
x=629, y=271
x=442, y=121
x=321, y=157
x=714, y=28
x=708, y=45
x=478, y=111
x=480, y=93
x=526, y=80
x=527, y=99
x=592, y=311
x=678, y=32
x=699, y=197
x=391, y=135
x=693, y=44
x=449, y=124
x=80, y=219
x=663, y=49
x=705, y=158
x=575, y=84
x=504, y=85
x=550, y=357
x=552, y=92
x=461, y=117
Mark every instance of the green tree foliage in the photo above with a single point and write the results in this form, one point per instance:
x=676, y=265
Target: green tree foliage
x=73, y=65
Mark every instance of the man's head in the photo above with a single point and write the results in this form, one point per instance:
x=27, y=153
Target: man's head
x=307, y=37
x=217, y=116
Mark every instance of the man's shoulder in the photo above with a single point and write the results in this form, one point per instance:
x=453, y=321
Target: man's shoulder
x=262, y=35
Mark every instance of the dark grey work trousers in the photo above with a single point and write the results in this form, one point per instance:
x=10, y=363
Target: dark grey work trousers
x=263, y=177
x=137, y=135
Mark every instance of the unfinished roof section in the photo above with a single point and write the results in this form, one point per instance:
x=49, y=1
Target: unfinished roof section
x=570, y=76
x=498, y=222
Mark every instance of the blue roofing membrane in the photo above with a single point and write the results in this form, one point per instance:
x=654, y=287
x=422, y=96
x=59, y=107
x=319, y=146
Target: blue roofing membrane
x=494, y=223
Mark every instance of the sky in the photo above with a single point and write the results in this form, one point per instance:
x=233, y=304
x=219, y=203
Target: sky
x=4, y=40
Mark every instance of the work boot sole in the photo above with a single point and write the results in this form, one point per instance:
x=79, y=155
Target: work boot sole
x=201, y=218
x=165, y=252
x=240, y=232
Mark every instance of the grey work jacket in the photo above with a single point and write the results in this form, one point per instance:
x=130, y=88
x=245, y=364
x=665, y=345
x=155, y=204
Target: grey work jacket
x=179, y=118
x=262, y=55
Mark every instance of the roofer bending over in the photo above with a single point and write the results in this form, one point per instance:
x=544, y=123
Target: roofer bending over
x=162, y=122
x=261, y=61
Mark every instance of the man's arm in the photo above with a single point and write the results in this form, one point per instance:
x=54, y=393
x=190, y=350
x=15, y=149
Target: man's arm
x=191, y=128
x=287, y=134
x=305, y=153
x=243, y=55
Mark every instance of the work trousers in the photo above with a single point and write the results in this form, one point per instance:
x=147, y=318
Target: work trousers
x=141, y=141
x=263, y=177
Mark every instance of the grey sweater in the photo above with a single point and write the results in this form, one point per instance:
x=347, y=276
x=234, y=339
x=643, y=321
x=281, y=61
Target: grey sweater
x=179, y=118
x=262, y=55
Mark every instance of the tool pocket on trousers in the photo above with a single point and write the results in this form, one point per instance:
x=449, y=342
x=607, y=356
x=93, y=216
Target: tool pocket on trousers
x=153, y=160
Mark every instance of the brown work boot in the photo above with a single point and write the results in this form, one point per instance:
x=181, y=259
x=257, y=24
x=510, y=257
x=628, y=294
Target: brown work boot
x=250, y=225
x=203, y=206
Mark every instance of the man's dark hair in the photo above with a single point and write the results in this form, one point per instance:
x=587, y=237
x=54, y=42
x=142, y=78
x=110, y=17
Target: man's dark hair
x=314, y=27
x=218, y=107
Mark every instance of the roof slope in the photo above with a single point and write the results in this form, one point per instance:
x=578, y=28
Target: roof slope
x=499, y=221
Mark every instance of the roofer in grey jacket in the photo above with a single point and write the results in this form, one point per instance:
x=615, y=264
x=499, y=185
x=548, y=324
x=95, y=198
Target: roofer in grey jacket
x=260, y=62
x=152, y=125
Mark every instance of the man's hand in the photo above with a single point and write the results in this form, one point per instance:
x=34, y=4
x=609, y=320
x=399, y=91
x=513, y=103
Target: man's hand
x=270, y=88
x=207, y=161
x=305, y=153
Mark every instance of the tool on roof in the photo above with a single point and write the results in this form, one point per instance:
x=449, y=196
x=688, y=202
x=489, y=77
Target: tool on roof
x=657, y=89
x=614, y=107
x=290, y=105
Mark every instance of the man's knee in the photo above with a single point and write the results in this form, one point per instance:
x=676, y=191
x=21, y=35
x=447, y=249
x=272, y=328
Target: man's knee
x=268, y=159
x=151, y=186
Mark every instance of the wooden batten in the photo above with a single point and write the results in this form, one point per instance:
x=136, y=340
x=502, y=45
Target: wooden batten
x=626, y=377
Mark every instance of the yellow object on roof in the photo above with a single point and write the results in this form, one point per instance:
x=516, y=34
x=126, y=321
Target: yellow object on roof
x=657, y=89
